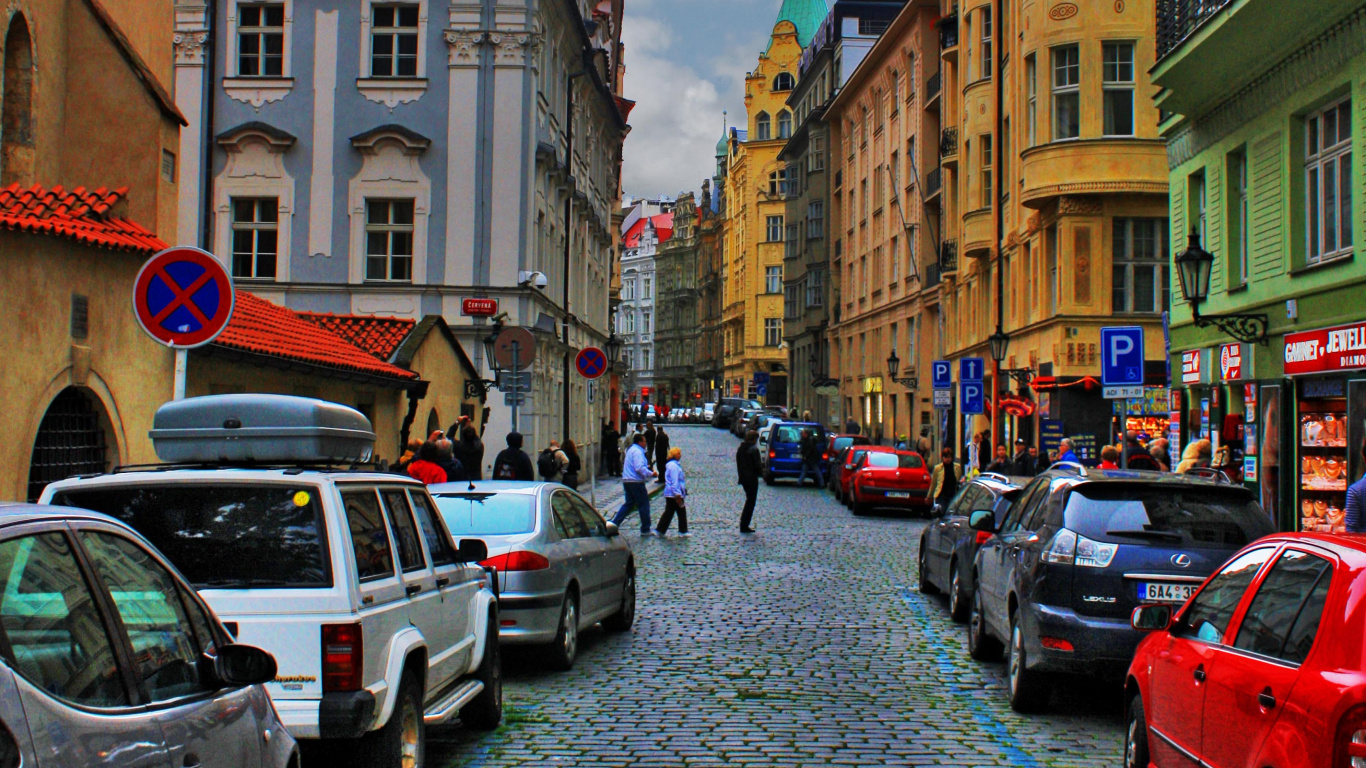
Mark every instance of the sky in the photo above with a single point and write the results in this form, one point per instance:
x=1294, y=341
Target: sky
x=686, y=62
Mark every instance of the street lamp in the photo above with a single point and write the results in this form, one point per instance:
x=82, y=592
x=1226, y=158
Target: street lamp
x=613, y=349
x=893, y=365
x=1193, y=268
x=1000, y=342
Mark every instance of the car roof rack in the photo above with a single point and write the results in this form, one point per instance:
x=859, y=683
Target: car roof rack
x=1069, y=465
x=290, y=468
x=1210, y=473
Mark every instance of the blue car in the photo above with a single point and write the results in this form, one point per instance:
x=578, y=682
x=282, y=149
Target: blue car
x=784, y=451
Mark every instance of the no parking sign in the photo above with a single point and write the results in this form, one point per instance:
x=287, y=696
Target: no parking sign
x=183, y=297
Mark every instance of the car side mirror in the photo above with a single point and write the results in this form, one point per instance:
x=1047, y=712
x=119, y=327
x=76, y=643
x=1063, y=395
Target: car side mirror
x=613, y=530
x=236, y=665
x=1151, y=618
x=472, y=551
x=982, y=520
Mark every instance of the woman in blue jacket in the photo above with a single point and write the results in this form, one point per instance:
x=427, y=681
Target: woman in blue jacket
x=675, y=494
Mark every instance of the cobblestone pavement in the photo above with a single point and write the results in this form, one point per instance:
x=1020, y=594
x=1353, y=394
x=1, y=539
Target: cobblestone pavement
x=805, y=645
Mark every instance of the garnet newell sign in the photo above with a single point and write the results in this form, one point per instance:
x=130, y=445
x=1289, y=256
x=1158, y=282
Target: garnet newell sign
x=183, y=297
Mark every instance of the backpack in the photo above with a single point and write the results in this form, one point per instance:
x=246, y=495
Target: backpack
x=547, y=464
x=504, y=470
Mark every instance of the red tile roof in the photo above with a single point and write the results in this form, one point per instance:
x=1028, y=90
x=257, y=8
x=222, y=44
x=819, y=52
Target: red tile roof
x=663, y=224
x=78, y=214
x=269, y=329
x=380, y=336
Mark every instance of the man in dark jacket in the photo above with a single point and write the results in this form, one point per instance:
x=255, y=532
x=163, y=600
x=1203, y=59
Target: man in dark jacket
x=470, y=451
x=1139, y=458
x=455, y=470
x=749, y=467
x=650, y=436
x=850, y=426
x=661, y=452
x=512, y=463
x=1020, y=463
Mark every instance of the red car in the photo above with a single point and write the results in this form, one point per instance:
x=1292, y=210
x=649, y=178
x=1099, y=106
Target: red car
x=1264, y=666
x=835, y=448
x=890, y=479
x=853, y=459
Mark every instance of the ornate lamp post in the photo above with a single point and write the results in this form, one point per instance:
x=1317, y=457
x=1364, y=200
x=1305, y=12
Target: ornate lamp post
x=1193, y=268
x=893, y=366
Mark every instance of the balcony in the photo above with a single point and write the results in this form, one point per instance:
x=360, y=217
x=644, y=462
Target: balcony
x=1093, y=167
x=948, y=36
x=1177, y=19
x=933, y=87
x=931, y=277
x=948, y=145
x=934, y=182
x=948, y=257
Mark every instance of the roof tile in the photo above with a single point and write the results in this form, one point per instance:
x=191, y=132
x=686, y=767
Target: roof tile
x=380, y=336
x=78, y=214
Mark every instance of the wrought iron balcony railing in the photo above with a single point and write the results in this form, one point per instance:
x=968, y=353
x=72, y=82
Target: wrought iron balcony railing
x=931, y=276
x=933, y=85
x=948, y=256
x=948, y=142
x=1177, y=19
x=948, y=31
x=934, y=181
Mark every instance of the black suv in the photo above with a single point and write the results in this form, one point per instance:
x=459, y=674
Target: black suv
x=948, y=545
x=730, y=406
x=1079, y=550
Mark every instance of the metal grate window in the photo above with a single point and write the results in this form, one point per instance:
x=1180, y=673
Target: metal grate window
x=80, y=316
x=70, y=442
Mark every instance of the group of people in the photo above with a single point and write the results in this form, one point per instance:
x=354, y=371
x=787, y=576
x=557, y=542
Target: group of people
x=638, y=469
x=615, y=445
x=439, y=459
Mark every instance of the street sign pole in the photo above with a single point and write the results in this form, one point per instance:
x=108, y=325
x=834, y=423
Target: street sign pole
x=516, y=391
x=182, y=363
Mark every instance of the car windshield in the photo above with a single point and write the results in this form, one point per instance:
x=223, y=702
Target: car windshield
x=487, y=514
x=1171, y=515
x=224, y=536
x=791, y=434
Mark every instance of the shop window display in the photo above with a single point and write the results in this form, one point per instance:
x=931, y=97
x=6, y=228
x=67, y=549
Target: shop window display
x=1323, y=464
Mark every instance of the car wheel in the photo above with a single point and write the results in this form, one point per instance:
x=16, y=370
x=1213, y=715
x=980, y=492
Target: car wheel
x=1136, y=736
x=958, y=603
x=485, y=712
x=926, y=586
x=1028, y=690
x=566, y=646
x=625, y=616
x=402, y=742
x=981, y=645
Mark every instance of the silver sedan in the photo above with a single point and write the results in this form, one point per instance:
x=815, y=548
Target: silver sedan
x=561, y=566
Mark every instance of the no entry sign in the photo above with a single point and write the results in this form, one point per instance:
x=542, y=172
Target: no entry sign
x=183, y=297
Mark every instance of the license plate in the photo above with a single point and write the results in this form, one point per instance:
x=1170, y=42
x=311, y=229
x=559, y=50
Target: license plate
x=898, y=495
x=1162, y=592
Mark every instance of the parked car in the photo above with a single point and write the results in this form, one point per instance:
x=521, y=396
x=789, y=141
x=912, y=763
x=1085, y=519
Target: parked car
x=1263, y=666
x=836, y=446
x=890, y=479
x=740, y=422
x=778, y=410
x=948, y=545
x=853, y=460
x=765, y=437
x=112, y=659
x=709, y=413
x=1078, y=551
x=725, y=412
x=349, y=578
x=784, y=455
x=561, y=567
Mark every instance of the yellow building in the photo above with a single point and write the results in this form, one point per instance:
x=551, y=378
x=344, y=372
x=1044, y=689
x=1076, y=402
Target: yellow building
x=756, y=210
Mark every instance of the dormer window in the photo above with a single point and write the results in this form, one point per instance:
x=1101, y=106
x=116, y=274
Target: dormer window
x=784, y=82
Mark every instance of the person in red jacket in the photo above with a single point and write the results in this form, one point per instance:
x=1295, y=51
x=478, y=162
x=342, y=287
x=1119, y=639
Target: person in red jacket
x=425, y=468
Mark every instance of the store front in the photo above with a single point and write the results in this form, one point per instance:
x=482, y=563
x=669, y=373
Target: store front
x=1216, y=400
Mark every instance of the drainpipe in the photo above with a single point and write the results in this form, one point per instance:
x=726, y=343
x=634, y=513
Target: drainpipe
x=998, y=149
x=569, y=235
x=211, y=45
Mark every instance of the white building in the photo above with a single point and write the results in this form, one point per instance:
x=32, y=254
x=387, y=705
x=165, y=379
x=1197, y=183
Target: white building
x=648, y=223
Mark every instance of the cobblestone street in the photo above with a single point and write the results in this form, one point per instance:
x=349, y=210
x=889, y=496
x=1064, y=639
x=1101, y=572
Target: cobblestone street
x=805, y=645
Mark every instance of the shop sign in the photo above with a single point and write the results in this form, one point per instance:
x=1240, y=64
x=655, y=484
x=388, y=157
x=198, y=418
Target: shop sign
x=1327, y=349
x=1249, y=469
x=872, y=385
x=1192, y=366
x=1250, y=402
x=1233, y=360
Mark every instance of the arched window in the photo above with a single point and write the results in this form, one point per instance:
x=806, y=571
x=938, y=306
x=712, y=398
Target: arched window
x=71, y=440
x=784, y=82
x=763, y=127
x=17, y=153
x=784, y=124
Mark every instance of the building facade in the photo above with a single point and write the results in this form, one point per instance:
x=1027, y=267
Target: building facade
x=1265, y=105
x=648, y=224
x=676, y=329
x=710, y=347
x=396, y=158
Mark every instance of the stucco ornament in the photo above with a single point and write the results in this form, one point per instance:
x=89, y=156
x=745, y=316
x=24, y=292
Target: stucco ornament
x=463, y=45
x=1062, y=11
x=189, y=46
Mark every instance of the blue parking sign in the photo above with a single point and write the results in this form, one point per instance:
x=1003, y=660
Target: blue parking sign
x=1121, y=350
x=973, y=397
x=941, y=373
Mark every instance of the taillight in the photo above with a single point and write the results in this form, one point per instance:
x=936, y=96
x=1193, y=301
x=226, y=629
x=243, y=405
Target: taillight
x=825, y=456
x=343, y=657
x=773, y=454
x=1070, y=548
x=520, y=560
x=1055, y=644
x=1351, y=741
x=983, y=537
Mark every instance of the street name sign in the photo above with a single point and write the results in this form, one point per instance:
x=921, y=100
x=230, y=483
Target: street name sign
x=478, y=307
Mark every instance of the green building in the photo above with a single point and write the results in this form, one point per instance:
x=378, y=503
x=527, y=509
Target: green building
x=1263, y=104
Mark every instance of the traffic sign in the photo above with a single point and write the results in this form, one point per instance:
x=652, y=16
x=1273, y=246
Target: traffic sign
x=761, y=378
x=479, y=307
x=592, y=391
x=591, y=363
x=761, y=390
x=972, y=369
x=183, y=297
x=526, y=348
x=514, y=399
x=943, y=398
x=973, y=395
x=942, y=374
x=1121, y=353
x=514, y=380
x=1123, y=393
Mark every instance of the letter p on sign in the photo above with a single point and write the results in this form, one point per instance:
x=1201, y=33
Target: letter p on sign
x=1121, y=356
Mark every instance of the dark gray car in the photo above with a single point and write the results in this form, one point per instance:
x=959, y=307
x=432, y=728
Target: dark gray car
x=948, y=545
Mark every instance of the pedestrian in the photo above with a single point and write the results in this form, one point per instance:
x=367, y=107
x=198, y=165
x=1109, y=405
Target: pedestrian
x=1139, y=457
x=923, y=445
x=470, y=451
x=850, y=426
x=945, y=479
x=425, y=467
x=810, y=449
x=974, y=449
x=551, y=462
x=1158, y=450
x=634, y=474
x=984, y=447
x=749, y=466
x=611, y=451
x=1038, y=462
x=409, y=456
x=1356, y=503
x=512, y=463
x=1067, y=451
x=1001, y=464
x=806, y=415
x=1108, y=456
x=1020, y=463
x=570, y=475
x=1197, y=454
x=661, y=451
x=675, y=494
x=455, y=471
x=651, y=434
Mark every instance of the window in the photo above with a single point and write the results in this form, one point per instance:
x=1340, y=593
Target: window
x=985, y=143
x=815, y=288
x=816, y=153
x=986, y=42
x=1327, y=181
x=1196, y=192
x=645, y=326
x=1032, y=99
x=775, y=229
x=393, y=41
x=405, y=532
x=260, y=40
x=777, y=184
x=763, y=127
x=773, y=331
x=791, y=311
x=628, y=290
x=1210, y=611
x=438, y=543
x=389, y=240
x=815, y=220
x=647, y=288
x=168, y=166
x=773, y=279
x=1066, y=93
x=784, y=124
x=55, y=636
x=255, y=231
x=630, y=323
x=1283, y=618
x=1142, y=274
x=784, y=82
x=369, y=539
x=568, y=522
x=1051, y=270
x=1237, y=218
x=1119, y=88
x=645, y=359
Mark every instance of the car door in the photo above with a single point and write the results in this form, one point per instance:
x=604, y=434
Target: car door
x=574, y=552
x=940, y=534
x=1182, y=664
x=205, y=726
x=383, y=606
x=457, y=582
x=72, y=675
x=426, y=611
x=607, y=555
x=997, y=558
x=1249, y=682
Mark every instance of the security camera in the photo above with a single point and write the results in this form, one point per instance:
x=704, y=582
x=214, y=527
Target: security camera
x=532, y=280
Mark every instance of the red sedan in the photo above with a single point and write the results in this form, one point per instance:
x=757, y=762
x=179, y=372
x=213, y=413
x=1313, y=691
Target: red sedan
x=890, y=479
x=1264, y=666
x=853, y=459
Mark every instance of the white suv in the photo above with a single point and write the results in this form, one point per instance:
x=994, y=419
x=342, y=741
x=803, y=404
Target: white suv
x=347, y=577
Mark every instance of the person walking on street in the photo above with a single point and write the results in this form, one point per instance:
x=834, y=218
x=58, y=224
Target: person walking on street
x=810, y=450
x=1037, y=462
x=749, y=466
x=611, y=449
x=551, y=462
x=850, y=426
x=1002, y=463
x=651, y=434
x=1067, y=451
x=455, y=471
x=945, y=479
x=675, y=494
x=1197, y=454
x=974, y=465
x=470, y=452
x=570, y=475
x=634, y=474
x=409, y=456
x=1108, y=456
x=425, y=467
x=661, y=451
x=512, y=463
x=1158, y=450
x=1356, y=503
x=1139, y=457
x=1020, y=463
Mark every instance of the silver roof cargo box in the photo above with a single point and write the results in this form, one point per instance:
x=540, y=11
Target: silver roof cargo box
x=276, y=429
